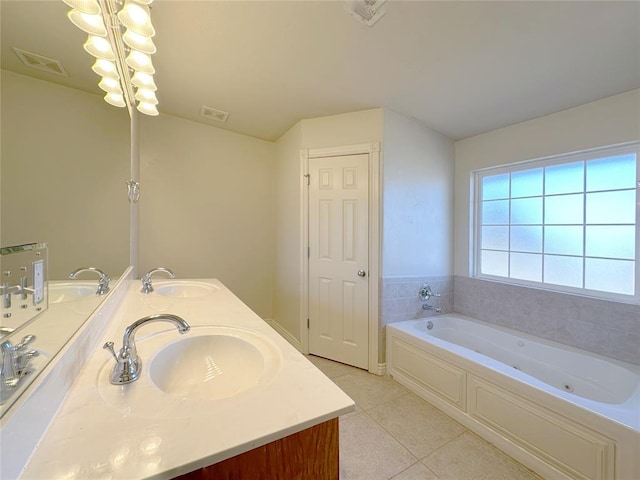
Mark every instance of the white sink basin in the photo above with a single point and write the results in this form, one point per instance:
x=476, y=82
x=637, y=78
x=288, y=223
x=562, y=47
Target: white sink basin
x=210, y=363
x=222, y=362
x=184, y=289
x=63, y=292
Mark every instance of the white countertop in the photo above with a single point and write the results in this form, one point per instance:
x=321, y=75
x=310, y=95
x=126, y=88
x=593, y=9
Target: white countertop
x=104, y=431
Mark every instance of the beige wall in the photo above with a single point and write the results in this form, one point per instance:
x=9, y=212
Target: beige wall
x=207, y=206
x=418, y=199
x=288, y=194
x=608, y=121
x=64, y=163
x=331, y=131
x=345, y=129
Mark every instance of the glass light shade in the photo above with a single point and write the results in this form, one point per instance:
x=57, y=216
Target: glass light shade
x=115, y=99
x=140, y=62
x=99, y=47
x=110, y=85
x=144, y=80
x=92, y=24
x=90, y=7
x=139, y=42
x=136, y=18
x=147, y=108
x=105, y=68
x=146, y=96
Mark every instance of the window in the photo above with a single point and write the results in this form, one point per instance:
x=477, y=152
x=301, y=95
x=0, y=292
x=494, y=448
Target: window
x=567, y=223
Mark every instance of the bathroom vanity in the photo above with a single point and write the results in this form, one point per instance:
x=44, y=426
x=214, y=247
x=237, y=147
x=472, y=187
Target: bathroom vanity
x=258, y=409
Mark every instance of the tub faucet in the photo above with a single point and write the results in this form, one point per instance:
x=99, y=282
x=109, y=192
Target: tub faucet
x=146, y=279
x=14, y=364
x=128, y=364
x=103, y=283
x=426, y=306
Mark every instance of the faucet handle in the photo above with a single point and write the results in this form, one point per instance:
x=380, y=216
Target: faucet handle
x=425, y=293
x=25, y=341
x=109, y=346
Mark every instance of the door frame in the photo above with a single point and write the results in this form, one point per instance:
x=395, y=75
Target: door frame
x=372, y=149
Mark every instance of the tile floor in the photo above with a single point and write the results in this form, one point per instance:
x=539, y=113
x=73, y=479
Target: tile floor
x=395, y=435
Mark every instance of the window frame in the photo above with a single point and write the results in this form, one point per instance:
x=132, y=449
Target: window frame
x=584, y=155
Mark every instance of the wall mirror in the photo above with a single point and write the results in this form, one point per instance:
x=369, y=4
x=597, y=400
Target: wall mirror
x=64, y=164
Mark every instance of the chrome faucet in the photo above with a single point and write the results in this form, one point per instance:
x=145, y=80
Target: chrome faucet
x=14, y=365
x=425, y=294
x=426, y=306
x=146, y=279
x=103, y=284
x=128, y=364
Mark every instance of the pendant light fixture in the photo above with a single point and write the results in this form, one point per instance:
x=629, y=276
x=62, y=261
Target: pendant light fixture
x=120, y=38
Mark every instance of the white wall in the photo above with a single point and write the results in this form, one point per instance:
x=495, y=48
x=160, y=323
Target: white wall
x=418, y=199
x=65, y=160
x=608, y=121
x=207, y=206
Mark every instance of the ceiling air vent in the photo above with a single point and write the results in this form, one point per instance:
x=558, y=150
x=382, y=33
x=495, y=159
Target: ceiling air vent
x=45, y=64
x=213, y=114
x=366, y=11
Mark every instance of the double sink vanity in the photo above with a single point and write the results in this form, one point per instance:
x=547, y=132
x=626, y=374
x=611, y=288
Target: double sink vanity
x=217, y=394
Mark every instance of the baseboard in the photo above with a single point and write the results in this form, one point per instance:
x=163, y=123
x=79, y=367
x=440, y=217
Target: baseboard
x=284, y=334
x=381, y=369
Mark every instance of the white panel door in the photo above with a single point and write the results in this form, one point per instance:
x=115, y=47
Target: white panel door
x=338, y=259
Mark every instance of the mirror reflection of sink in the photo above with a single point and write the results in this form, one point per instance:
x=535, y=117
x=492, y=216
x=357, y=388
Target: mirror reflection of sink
x=62, y=292
x=217, y=362
x=184, y=289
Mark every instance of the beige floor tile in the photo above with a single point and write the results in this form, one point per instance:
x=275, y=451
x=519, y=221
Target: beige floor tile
x=369, y=390
x=468, y=457
x=416, y=472
x=418, y=426
x=330, y=368
x=367, y=452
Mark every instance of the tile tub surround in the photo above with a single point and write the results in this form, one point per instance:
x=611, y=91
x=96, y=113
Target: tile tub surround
x=399, y=300
x=599, y=326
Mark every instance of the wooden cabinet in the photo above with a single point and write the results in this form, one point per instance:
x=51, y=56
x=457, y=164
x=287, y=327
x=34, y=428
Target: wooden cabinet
x=310, y=454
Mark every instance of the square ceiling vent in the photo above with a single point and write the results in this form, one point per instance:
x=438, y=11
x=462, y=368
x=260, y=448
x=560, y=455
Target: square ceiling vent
x=213, y=114
x=39, y=62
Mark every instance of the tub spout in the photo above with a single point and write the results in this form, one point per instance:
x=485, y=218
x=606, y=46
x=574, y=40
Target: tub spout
x=426, y=306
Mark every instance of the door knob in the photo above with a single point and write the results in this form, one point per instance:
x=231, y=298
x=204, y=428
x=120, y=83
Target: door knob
x=362, y=273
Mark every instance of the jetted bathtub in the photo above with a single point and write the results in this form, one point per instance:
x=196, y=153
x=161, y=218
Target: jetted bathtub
x=563, y=412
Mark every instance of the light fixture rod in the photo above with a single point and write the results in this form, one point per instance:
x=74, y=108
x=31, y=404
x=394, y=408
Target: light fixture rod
x=110, y=10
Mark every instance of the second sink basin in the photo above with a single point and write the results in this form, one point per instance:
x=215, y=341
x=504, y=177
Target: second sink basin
x=214, y=362
x=184, y=289
x=62, y=292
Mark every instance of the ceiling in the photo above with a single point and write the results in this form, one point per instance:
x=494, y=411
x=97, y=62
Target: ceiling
x=460, y=68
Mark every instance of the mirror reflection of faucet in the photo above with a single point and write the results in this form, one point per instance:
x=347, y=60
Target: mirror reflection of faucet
x=14, y=365
x=103, y=283
x=147, y=287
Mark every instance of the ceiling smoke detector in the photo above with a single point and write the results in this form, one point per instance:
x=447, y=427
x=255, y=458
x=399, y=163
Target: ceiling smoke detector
x=213, y=114
x=366, y=11
x=39, y=62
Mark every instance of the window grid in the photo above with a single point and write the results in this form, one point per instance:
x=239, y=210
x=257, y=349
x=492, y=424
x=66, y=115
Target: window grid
x=542, y=253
